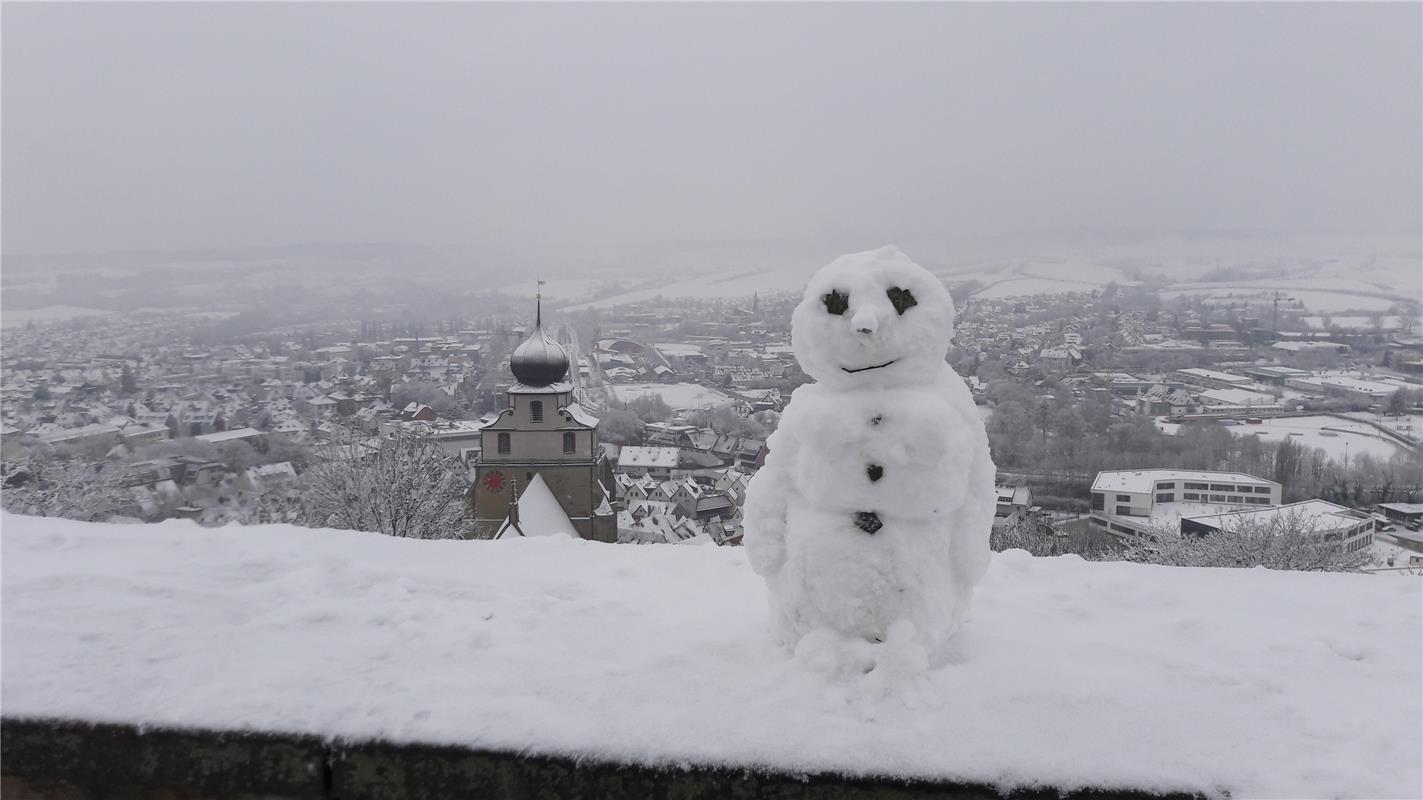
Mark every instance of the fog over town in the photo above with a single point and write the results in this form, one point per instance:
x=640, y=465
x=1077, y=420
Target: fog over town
x=495, y=271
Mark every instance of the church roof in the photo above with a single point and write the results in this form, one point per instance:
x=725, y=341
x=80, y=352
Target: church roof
x=539, y=514
x=539, y=361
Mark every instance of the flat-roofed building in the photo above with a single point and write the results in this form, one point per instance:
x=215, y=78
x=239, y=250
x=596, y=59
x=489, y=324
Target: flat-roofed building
x=1135, y=503
x=1357, y=389
x=1231, y=401
x=1352, y=530
x=1212, y=379
x=1402, y=512
x=1274, y=375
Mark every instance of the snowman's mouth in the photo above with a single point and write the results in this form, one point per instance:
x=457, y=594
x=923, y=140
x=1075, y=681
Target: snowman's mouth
x=865, y=369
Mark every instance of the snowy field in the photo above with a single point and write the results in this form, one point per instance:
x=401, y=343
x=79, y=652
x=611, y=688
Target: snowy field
x=1313, y=300
x=1251, y=682
x=1315, y=432
x=676, y=395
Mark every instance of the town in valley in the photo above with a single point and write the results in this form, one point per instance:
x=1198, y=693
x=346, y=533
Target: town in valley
x=1123, y=393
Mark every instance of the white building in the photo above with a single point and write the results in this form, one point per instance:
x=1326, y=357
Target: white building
x=1212, y=379
x=1232, y=401
x=1353, y=530
x=655, y=461
x=1132, y=503
x=1012, y=498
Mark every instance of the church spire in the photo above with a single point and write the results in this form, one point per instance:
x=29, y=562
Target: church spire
x=539, y=361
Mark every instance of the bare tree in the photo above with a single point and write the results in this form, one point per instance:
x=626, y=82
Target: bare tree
x=1022, y=532
x=404, y=485
x=1285, y=541
x=59, y=485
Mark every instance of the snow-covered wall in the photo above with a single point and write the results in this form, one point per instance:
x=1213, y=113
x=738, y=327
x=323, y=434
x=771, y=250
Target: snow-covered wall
x=1070, y=674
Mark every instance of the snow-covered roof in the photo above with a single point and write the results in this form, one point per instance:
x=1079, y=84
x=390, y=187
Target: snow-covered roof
x=1215, y=375
x=1143, y=481
x=1071, y=673
x=227, y=436
x=1315, y=515
x=581, y=415
x=540, y=513
x=650, y=457
x=279, y=469
x=1238, y=397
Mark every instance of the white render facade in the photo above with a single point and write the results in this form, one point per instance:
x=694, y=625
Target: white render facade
x=1129, y=503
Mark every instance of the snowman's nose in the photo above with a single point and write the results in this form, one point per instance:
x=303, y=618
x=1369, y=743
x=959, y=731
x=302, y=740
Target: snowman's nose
x=865, y=321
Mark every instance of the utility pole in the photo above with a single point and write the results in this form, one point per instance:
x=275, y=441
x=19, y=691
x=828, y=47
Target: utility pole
x=1275, y=320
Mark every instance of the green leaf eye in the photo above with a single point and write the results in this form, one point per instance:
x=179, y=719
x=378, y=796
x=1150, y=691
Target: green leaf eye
x=836, y=303
x=902, y=299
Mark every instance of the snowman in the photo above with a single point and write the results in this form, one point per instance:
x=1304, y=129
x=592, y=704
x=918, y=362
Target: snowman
x=870, y=519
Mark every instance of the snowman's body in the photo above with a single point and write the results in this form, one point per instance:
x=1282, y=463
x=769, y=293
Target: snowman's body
x=877, y=497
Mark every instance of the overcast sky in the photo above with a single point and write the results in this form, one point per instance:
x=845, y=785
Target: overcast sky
x=195, y=124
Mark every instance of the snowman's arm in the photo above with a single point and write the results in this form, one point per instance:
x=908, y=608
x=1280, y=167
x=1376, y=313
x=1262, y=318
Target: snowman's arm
x=764, y=514
x=970, y=544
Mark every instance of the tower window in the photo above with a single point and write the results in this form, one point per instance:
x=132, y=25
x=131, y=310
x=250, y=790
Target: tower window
x=536, y=411
x=504, y=443
x=570, y=442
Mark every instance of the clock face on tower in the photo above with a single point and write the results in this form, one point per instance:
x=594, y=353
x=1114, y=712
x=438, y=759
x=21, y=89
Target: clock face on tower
x=494, y=481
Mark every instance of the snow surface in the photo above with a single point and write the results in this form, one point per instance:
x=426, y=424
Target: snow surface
x=677, y=395
x=871, y=518
x=1336, y=437
x=1260, y=683
x=540, y=513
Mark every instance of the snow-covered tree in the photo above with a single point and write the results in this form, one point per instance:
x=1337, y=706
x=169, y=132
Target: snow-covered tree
x=1285, y=541
x=1022, y=532
x=405, y=485
x=72, y=487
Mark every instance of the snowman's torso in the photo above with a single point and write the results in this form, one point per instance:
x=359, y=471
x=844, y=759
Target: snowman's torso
x=876, y=480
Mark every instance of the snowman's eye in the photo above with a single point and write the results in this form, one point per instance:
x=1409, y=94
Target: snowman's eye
x=902, y=299
x=836, y=302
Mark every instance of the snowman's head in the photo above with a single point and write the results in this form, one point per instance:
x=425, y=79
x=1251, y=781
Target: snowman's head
x=872, y=319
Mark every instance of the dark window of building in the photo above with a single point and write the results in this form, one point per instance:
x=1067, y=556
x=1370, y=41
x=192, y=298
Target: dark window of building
x=536, y=411
x=504, y=446
x=1217, y=498
x=1099, y=501
x=1262, y=490
x=1171, y=485
x=1200, y=486
x=1124, y=511
x=1123, y=498
x=1191, y=496
x=1222, y=487
x=1166, y=497
x=570, y=442
x=1235, y=498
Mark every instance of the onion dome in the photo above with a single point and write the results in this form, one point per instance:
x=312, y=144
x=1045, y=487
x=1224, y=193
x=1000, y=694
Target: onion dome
x=539, y=361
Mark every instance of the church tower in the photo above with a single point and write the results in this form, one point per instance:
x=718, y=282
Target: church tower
x=543, y=431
